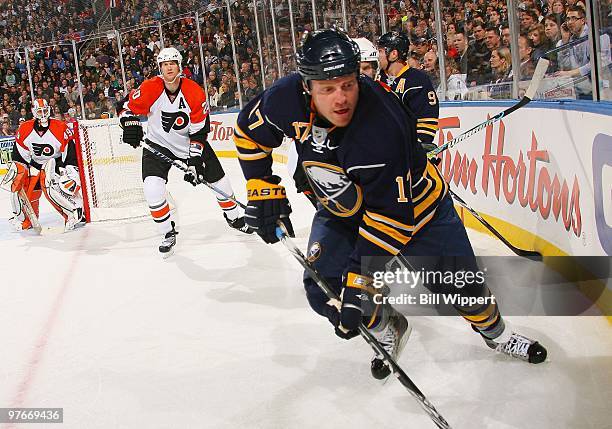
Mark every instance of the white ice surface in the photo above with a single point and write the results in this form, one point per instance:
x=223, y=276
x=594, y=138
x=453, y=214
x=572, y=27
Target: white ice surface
x=221, y=336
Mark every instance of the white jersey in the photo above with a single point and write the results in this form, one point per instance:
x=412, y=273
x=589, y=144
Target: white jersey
x=34, y=148
x=173, y=118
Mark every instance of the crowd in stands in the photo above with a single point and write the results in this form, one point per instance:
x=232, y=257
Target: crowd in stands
x=476, y=37
x=476, y=46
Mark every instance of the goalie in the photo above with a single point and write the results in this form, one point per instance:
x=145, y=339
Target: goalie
x=44, y=161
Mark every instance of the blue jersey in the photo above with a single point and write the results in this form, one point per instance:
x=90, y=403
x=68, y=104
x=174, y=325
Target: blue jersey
x=415, y=90
x=372, y=170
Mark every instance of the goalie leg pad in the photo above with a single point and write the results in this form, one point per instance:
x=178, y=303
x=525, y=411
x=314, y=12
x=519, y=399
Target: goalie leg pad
x=68, y=206
x=18, y=215
x=155, y=194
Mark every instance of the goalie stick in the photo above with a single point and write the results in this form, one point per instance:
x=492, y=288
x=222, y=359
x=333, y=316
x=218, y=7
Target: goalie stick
x=538, y=75
x=437, y=418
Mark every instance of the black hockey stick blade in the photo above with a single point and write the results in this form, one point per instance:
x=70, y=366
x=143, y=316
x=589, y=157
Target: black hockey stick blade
x=538, y=75
x=531, y=254
x=436, y=417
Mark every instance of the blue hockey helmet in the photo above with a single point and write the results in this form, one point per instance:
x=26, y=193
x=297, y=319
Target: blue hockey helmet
x=327, y=54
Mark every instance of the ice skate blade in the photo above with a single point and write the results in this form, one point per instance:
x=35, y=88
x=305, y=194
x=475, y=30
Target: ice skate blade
x=168, y=254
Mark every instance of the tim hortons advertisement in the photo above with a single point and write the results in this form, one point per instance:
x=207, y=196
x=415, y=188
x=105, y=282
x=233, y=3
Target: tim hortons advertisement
x=222, y=131
x=545, y=171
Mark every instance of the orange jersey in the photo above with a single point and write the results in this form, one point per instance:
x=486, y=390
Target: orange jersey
x=38, y=148
x=173, y=119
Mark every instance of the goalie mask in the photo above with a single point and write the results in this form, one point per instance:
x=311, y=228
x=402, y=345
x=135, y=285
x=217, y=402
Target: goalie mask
x=41, y=111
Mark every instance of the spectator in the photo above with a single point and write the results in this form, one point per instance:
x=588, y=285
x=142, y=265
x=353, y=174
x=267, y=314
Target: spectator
x=226, y=97
x=528, y=18
x=540, y=42
x=575, y=61
x=505, y=35
x=213, y=97
x=6, y=129
x=10, y=78
x=431, y=67
x=461, y=45
x=501, y=65
x=525, y=52
x=455, y=85
x=478, y=70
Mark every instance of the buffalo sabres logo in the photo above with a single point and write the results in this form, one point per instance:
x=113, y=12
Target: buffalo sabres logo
x=333, y=188
x=174, y=120
x=319, y=140
x=42, y=149
x=314, y=252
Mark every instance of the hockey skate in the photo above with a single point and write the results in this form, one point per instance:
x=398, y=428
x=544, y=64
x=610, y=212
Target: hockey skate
x=392, y=338
x=518, y=346
x=238, y=224
x=166, y=248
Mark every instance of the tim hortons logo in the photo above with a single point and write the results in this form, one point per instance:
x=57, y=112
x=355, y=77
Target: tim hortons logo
x=526, y=178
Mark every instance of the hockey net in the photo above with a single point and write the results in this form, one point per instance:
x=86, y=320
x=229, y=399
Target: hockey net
x=111, y=172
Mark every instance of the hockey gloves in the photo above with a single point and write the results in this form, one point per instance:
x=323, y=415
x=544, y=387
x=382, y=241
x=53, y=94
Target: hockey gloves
x=350, y=314
x=267, y=205
x=195, y=164
x=132, y=130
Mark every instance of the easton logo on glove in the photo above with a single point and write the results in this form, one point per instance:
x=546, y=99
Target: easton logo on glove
x=174, y=120
x=265, y=189
x=132, y=123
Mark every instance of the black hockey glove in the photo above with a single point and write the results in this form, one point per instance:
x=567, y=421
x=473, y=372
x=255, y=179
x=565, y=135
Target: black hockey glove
x=267, y=205
x=195, y=164
x=132, y=130
x=354, y=288
x=302, y=185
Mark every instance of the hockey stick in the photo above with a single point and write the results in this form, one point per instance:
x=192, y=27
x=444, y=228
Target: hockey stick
x=538, y=75
x=29, y=211
x=537, y=256
x=437, y=418
x=181, y=167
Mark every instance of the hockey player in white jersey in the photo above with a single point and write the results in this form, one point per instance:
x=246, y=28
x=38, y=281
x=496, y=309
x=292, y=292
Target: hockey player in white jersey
x=44, y=161
x=369, y=64
x=178, y=126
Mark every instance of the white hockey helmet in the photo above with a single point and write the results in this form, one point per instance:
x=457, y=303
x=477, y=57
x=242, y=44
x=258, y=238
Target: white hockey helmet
x=41, y=111
x=369, y=53
x=169, y=54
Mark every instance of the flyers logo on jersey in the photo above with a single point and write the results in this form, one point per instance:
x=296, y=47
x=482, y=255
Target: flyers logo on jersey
x=333, y=188
x=42, y=149
x=174, y=120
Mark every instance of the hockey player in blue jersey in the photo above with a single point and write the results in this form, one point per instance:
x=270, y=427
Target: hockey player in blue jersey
x=412, y=86
x=378, y=195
